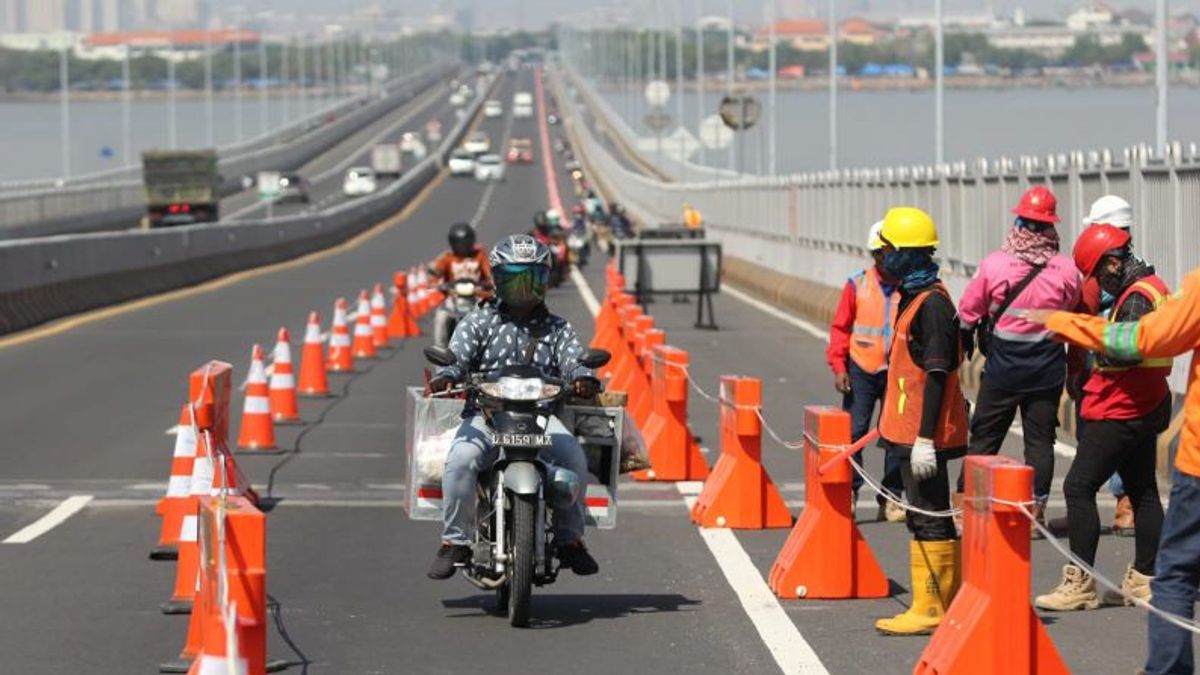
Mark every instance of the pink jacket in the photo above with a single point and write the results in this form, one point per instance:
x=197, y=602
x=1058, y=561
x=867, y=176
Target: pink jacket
x=1058, y=287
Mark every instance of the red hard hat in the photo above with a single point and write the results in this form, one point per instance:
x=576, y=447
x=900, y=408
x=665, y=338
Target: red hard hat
x=1094, y=243
x=1038, y=203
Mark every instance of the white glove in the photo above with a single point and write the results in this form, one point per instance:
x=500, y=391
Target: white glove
x=923, y=459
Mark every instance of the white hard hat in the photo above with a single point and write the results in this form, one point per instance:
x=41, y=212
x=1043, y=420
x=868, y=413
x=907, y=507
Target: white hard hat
x=874, y=241
x=1111, y=210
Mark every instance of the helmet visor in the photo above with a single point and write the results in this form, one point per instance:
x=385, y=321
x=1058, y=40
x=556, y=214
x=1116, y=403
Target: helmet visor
x=520, y=285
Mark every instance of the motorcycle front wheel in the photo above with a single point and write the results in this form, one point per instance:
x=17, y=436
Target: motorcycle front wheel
x=520, y=581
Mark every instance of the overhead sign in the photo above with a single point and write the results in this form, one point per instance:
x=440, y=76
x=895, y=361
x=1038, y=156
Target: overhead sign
x=658, y=92
x=740, y=111
x=657, y=119
x=714, y=134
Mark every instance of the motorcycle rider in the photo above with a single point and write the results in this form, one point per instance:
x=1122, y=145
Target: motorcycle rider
x=514, y=328
x=465, y=260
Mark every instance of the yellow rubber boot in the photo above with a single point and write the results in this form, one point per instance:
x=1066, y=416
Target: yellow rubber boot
x=936, y=574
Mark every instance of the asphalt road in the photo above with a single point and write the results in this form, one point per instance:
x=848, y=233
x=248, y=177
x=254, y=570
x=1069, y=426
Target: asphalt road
x=86, y=413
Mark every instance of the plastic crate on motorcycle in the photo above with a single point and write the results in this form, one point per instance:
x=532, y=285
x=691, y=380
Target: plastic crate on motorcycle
x=431, y=424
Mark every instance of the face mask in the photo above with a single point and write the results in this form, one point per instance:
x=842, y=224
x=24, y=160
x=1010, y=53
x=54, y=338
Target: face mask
x=912, y=268
x=1111, y=282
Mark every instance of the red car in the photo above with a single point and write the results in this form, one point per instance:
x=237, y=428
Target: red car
x=520, y=151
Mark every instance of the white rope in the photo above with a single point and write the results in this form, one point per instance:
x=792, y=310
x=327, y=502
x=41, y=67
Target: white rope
x=891, y=497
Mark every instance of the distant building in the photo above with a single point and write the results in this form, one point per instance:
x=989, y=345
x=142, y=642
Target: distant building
x=812, y=35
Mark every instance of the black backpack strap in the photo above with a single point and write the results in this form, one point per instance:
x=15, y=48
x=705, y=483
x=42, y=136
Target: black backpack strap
x=1015, y=291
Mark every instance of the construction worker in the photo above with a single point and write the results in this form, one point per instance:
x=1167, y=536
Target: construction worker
x=1025, y=368
x=859, y=339
x=1124, y=406
x=924, y=419
x=1170, y=330
x=692, y=219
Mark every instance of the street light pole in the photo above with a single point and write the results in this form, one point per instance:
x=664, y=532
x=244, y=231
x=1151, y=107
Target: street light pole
x=263, y=114
x=700, y=107
x=285, y=84
x=126, y=106
x=64, y=82
x=772, y=66
x=172, y=85
x=1161, y=74
x=833, y=86
x=939, y=67
x=210, y=129
x=679, y=86
x=729, y=66
x=239, y=122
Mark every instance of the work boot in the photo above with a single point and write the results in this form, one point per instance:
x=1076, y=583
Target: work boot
x=1077, y=590
x=449, y=556
x=894, y=513
x=936, y=572
x=576, y=558
x=1133, y=585
x=1123, y=519
x=1038, y=511
x=956, y=503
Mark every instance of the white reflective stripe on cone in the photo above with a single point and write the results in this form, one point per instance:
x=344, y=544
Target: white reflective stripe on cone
x=257, y=405
x=179, y=486
x=283, y=381
x=190, y=529
x=185, y=442
x=378, y=320
x=202, y=476
x=313, y=334
x=362, y=330
x=339, y=340
x=220, y=665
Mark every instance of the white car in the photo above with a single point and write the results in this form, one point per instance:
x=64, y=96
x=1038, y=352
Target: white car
x=493, y=108
x=477, y=142
x=461, y=163
x=489, y=167
x=360, y=180
x=457, y=99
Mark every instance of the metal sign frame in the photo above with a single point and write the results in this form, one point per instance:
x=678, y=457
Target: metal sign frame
x=633, y=259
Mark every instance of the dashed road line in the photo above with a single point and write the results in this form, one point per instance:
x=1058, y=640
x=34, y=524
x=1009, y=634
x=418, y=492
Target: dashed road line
x=69, y=507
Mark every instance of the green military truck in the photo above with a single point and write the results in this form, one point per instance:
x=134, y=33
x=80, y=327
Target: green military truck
x=182, y=187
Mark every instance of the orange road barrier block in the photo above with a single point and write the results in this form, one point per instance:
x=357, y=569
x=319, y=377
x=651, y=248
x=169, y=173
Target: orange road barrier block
x=232, y=629
x=632, y=379
x=313, y=381
x=401, y=322
x=284, y=408
x=991, y=628
x=363, y=346
x=257, y=430
x=642, y=404
x=339, y=358
x=739, y=493
x=674, y=453
x=622, y=360
x=172, y=507
x=609, y=338
x=606, y=319
x=826, y=556
x=379, y=322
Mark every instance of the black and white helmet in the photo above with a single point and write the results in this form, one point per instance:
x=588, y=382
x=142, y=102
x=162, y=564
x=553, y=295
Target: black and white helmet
x=519, y=249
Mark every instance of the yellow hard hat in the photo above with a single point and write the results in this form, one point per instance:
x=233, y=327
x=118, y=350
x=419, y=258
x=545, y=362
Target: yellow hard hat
x=909, y=227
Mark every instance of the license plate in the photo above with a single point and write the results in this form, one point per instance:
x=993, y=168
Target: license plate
x=523, y=440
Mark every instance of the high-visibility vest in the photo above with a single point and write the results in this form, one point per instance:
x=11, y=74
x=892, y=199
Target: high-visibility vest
x=1115, y=392
x=874, y=316
x=900, y=421
x=692, y=218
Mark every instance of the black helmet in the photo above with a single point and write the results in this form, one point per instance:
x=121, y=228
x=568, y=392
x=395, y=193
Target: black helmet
x=520, y=269
x=462, y=239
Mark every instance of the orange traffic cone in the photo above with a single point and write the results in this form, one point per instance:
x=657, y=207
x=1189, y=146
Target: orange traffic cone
x=174, y=506
x=283, y=382
x=364, y=341
x=379, y=322
x=257, y=432
x=313, y=381
x=401, y=322
x=339, y=359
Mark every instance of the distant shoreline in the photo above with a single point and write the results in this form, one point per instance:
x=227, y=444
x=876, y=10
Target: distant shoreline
x=180, y=95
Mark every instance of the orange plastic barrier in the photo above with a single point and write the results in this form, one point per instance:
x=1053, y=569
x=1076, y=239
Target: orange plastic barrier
x=606, y=319
x=609, y=337
x=674, y=453
x=622, y=358
x=632, y=379
x=313, y=381
x=379, y=322
x=283, y=382
x=239, y=546
x=991, y=627
x=257, y=431
x=364, y=338
x=826, y=556
x=339, y=358
x=642, y=405
x=739, y=493
x=401, y=322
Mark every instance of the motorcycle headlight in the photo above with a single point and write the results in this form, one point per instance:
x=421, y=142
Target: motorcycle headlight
x=464, y=289
x=520, y=389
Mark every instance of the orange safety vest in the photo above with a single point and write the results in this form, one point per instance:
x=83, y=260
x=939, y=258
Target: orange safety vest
x=900, y=422
x=874, y=316
x=692, y=218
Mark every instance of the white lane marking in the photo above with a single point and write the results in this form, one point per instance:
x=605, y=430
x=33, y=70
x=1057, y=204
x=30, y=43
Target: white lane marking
x=1061, y=449
x=585, y=291
x=312, y=486
x=69, y=507
x=149, y=487
x=791, y=651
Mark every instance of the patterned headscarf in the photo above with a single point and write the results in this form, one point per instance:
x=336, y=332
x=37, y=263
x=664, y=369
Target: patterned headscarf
x=1035, y=245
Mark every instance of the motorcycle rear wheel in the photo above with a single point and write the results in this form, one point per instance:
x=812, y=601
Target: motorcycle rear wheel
x=520, y=581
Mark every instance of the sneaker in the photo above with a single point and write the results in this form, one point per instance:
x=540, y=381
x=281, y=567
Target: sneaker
x=1077, y=590
x=1123, y=519
x=449, y=556
x=576, y=558
x=1134, y=584
x=895, y=513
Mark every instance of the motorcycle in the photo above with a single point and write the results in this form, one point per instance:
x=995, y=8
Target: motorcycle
x=461, y=299
x=579, y=245
x=512, y=551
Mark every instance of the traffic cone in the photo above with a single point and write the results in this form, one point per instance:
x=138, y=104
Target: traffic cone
x=339, y=358
x=379, y=322
x=401, y=322
x=364, y=341
x=174, y=506
x=283, y=382
x=313, y=381
x=257, y=432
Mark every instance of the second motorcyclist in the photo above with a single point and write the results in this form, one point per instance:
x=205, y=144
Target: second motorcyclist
x=465, y=261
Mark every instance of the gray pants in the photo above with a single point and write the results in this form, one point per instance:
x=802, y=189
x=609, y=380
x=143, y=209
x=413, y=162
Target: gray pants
x=442, y=328
x=472, y=452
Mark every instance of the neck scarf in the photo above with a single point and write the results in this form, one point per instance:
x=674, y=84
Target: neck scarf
x=1035, y=247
